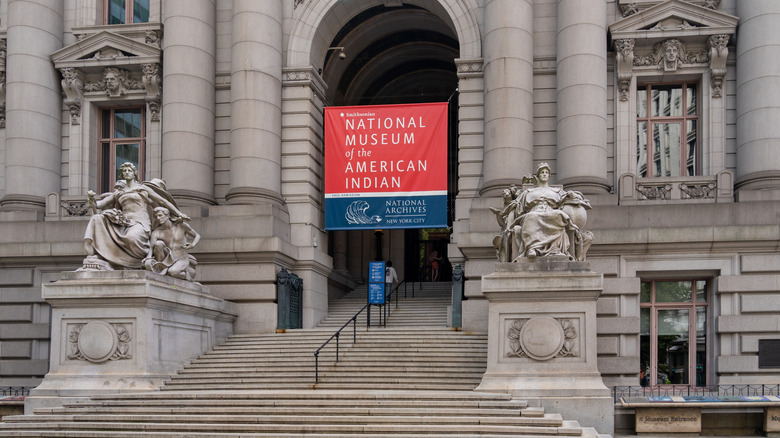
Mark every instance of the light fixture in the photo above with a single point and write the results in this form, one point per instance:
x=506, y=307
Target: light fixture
x=342, y=55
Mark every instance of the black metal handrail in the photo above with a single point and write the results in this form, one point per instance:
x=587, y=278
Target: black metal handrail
x=353, y=320
x=336, y=335
x=702, y=391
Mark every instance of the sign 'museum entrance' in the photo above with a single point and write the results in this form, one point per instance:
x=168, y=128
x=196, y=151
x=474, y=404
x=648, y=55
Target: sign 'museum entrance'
x=386, y=166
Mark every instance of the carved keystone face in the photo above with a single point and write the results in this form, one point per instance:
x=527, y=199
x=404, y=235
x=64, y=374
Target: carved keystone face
x=671, y=53
x=112, y=83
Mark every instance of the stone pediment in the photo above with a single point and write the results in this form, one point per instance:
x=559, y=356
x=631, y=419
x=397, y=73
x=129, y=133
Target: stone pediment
x=685, y=21
x=109, y=66
x=104, y=49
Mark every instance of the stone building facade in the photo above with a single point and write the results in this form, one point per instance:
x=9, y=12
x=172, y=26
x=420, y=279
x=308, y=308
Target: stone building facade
x=664, y=114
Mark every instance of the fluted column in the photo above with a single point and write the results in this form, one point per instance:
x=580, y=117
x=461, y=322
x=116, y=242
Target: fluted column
x=33, y=153
x=256, y=103
x=508, y=57
x=758, y=85
x=188, y=103
x=582, y=95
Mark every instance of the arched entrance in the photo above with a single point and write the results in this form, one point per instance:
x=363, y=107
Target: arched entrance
x=371, y=52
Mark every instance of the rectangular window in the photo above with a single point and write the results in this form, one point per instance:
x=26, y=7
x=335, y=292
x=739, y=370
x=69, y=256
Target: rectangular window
x=673, y=333
x=121, y=140
x=126, y=11
x=667, y=139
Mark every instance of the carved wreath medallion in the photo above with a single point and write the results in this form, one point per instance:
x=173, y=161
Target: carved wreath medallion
x=99, y=341
x=542, y=338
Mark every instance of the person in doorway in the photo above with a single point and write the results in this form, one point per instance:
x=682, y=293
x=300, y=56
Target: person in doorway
x=433, y=260
x=390, y=277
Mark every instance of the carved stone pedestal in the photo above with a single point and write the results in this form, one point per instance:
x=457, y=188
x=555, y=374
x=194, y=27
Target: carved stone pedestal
x=125, y=331
x=542, y=338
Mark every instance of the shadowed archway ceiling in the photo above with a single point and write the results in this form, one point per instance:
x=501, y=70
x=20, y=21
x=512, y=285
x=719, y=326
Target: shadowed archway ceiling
x=402, y=54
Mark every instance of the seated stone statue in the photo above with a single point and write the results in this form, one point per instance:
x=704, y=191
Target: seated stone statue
x=168, y=253
x=542, y=220
x=118, y=236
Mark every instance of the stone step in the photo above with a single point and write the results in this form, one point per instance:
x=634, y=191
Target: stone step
x=413, y=378
x=302, y=417
x=286, y=410
x=242, y=370
x=390, y=428
x=174, y=434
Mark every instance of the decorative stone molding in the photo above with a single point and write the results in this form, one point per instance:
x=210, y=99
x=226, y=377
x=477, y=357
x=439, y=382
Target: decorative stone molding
x=719, y=51
x=624, y=50
x=697, y=191
x=298, y=3
x=670, y=55
x=542, y=338
x=631, y=7
x=684, y=189
x=152, y=81
x=152, y=37
x=298, y=75
x=154, y=111
x=654, y=191
x=98, y=342
x=307, y=76
x=472, y=67
x=73, y=86
x=72, y=208
x=711, y=4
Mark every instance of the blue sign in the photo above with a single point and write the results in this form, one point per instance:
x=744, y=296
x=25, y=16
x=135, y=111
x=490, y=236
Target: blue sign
x=376, y=293
x=386, y=212
x=376, y=272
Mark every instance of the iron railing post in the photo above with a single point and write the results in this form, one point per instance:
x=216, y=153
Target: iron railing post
x=316, y=367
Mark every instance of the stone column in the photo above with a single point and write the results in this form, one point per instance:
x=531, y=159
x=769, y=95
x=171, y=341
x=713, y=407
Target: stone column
x=508, y=57
x=33, y=153
x=582, y=96
x=188, y=103
x=758, y=82
x=256, y=103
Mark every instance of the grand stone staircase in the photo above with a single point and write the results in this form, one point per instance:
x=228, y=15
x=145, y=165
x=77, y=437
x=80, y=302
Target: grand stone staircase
x=413, y=378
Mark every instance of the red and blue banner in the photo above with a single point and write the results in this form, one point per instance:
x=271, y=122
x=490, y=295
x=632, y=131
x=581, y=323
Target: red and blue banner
x=386, y=166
